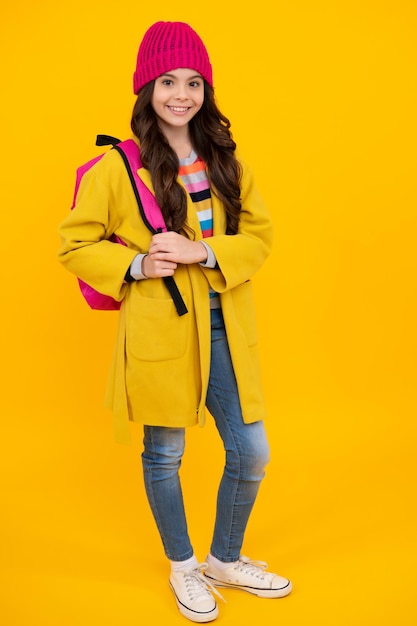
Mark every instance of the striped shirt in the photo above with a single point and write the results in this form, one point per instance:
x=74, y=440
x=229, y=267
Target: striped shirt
x=193, y=174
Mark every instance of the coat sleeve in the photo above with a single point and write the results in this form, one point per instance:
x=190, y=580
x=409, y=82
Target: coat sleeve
x=240, y=256
x=85, y=250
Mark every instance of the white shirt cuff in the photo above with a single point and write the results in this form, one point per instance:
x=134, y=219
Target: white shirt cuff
x=136, y=267
x=211, y=258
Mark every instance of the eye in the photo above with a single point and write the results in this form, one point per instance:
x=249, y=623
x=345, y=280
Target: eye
x=195, y=83
x=167, y=81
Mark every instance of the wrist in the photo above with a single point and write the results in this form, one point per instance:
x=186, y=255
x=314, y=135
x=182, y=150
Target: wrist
x=136, y=268
x=204, y=253
x=145, y=256
x=210, y=260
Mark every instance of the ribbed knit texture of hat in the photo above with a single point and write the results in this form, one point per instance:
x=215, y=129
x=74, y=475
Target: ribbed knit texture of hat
x=168, y=46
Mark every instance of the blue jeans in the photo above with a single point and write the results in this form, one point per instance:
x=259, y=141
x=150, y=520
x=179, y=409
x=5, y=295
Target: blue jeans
x=247, y=453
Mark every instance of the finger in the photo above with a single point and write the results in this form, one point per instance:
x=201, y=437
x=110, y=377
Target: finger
x=161, y=246
x=163, y=237
x=163, y=264
x=158, y=255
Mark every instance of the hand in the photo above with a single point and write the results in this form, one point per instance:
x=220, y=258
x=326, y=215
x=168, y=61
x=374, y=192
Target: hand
x=175, y=248
x=157, y=269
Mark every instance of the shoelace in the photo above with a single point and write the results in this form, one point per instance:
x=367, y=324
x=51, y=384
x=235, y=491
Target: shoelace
x=253, y=568
x=197, y=584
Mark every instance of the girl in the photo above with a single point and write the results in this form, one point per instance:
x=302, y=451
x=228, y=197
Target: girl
x=168, y=368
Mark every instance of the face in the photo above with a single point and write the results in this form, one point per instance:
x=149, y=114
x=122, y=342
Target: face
x=177, y=96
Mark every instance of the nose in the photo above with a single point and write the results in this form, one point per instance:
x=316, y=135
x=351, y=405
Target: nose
x=181, y=92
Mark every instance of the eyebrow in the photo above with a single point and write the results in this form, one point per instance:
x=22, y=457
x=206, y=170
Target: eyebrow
x=173, y=76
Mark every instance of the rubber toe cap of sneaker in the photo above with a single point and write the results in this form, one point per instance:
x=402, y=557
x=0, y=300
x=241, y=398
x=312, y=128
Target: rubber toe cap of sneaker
x=281, y=584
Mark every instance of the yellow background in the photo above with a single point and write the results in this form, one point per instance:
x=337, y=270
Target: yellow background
x=322, y=98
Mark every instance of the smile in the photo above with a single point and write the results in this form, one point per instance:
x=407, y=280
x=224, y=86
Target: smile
x=179, y=109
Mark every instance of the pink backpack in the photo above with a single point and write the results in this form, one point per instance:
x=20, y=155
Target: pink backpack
x=148, y=208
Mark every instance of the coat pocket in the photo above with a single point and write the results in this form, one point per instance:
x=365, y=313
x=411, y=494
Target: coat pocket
x=154, y=330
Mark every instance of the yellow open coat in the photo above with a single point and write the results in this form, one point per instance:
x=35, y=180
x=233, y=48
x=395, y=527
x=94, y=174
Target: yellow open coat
x=160, y=369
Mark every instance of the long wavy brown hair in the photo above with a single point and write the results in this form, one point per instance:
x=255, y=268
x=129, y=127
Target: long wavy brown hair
x=211, y=139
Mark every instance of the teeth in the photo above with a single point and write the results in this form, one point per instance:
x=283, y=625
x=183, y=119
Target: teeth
x=179, y=109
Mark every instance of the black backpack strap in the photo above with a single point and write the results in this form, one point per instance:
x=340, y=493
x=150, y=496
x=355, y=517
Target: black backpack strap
x=107, y=140
x=168, y=280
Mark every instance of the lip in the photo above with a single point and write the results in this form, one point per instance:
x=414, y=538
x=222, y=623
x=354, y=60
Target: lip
x=177, y=110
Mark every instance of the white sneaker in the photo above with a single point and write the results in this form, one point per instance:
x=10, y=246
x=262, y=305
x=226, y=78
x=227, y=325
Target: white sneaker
x=193, y=594
x=250, y=576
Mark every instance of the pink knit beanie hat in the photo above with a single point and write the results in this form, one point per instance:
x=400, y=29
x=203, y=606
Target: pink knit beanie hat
x=168, y=46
